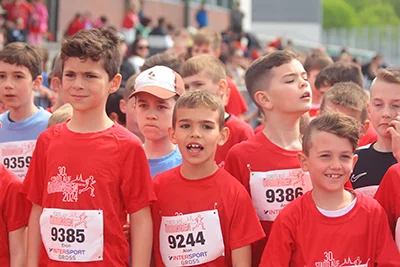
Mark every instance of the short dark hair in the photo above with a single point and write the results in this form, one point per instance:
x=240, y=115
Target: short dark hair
x=23, y=54
x=335, y=123
x=340, y=72
x=112, y=105
x=258, y=72
x=96, y=44
x=200, y=98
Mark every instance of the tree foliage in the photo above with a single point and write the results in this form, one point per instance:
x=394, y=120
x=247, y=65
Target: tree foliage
x=338, y=14
x=378, y=14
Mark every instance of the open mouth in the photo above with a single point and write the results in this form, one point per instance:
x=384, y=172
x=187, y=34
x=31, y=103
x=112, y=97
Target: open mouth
x=306, y=95
x=195, y=148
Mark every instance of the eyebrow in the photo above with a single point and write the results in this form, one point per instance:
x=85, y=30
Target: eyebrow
x=329, y=151
x=379, y=99
x=294, y=74
x=202, y=121
x=14, y=72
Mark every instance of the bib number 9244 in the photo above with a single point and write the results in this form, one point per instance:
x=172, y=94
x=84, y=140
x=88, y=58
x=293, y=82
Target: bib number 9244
x=280, y=195
x=68, y=235
x=180, y=241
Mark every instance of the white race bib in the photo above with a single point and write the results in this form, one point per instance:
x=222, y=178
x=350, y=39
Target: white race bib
x=368, y=190
x=16, y=156
x=72, y=235
x=271, y=191
x=191, y=239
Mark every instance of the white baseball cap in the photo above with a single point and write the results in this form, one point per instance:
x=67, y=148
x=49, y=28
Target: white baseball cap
x=159, y=81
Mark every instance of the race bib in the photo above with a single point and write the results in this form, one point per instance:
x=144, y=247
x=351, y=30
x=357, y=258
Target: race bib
x=16, y=156
x=72, y=235
x=368, y=190
x=397, y=233
x=271, y=191
x=192, y=239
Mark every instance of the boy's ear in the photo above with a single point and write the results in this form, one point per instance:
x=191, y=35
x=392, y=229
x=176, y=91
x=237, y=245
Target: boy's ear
x=303, y=160
x=55, y=84
x=355, y=159
x=369, y=109
x=222, y=87
x=224, y=135
x=171, y=134
x=37, y=83
x=115, y=83
x=364, y=128
x=263, y=100
x=114, y=117
x=122, y=106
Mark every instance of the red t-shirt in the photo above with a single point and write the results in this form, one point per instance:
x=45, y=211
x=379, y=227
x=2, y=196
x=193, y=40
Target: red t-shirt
x=75, y=26
x=259, y=129
x=112, y=162
x=21, y=10
x=236, y=104
x=50, y=109
x=388, y=195
x=258, y=154
x=239, y=223
x=238, y=131
x=303, y=236
x=314, y=110
x=369, y=137
x=15, y=210
x=130, y=20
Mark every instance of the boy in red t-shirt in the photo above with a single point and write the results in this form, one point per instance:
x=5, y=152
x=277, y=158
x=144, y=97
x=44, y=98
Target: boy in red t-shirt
x=388, y=193
x=313, y=65
x=88, y=174
x=208, y=72
x=208, y=42
x=267, y=164
x=203, y=216
x=330, y=226
x=13, y=219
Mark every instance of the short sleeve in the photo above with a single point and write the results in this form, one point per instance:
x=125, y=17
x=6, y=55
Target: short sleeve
x=387, y=253
x=33, y=184
x=137, y=188
x=385, y=195
x=17, y=208
x=278, y=250
x=245, y=226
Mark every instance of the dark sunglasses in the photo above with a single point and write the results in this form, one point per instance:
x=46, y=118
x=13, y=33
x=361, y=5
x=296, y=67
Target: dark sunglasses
x=143, y=47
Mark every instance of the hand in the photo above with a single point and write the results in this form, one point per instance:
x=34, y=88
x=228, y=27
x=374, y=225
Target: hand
x=394, y=130
x=127, y=232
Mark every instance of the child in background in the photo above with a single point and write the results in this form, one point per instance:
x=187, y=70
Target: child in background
x=97, y=173
x=198, y=202
x=14, y=217
x=61, y=115
x=331, y=226
x=127, y=106
x=156, y=92
x=55, y=78
x=20, y=76
x=208, y=42
x=113, y=110
x=344, y=72
x=313, y=66
x=208, y=72
x=267, y=164
x=384, y=105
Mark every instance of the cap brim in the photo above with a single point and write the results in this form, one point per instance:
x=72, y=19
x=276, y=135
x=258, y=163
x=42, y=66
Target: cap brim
x=154, y=90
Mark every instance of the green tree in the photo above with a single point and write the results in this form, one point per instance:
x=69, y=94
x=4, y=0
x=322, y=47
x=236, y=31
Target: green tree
x=378, y=14
x=395, y=4
x=359, y=5
x=338, y=14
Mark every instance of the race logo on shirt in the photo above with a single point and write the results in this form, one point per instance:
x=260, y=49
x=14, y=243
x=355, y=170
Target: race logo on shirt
x=330, y=261
x=71, y=189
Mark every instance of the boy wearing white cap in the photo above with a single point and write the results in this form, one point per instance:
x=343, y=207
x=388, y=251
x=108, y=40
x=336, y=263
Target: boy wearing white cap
x=156, y=92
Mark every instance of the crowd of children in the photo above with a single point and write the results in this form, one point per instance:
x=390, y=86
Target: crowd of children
x=164, y=170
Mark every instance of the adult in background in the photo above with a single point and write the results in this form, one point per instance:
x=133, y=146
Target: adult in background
x=139, y=52
x=37, y=22
x=159, y=38
x=202, y=16
x=131, y=20
x=237, y=18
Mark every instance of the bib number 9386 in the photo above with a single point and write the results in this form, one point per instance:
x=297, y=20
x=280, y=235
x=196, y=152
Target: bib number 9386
x=280, y=195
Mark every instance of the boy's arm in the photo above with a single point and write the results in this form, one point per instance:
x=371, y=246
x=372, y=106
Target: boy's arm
x=141, y=237
x=16, y=240
x=241, y=257
x=34, y=239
